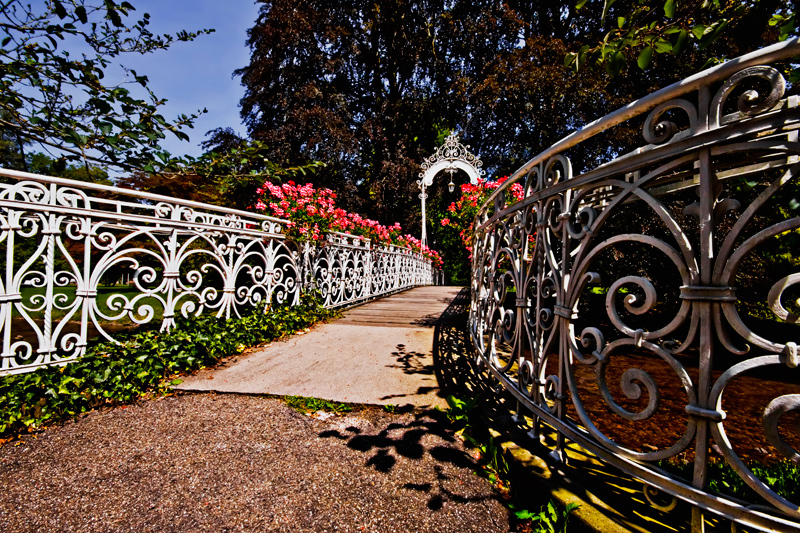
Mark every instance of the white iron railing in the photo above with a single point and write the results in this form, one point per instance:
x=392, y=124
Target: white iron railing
x=639, y=307
x=82, y=259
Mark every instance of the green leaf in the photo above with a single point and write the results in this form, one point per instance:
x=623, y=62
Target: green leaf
x=645, y=57
x=663, y=46
x=620, y=22
x=606, y=6
x=580, y=4
x=59, y=10
x=698, y=31
x=669, y=8
x=80, y=12
x=680, y=42
x=712, y=33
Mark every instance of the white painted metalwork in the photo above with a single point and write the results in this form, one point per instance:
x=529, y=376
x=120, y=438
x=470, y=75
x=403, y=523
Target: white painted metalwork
x=639, y=267
x=348, y=270
x=451, y=157
x=64, y=243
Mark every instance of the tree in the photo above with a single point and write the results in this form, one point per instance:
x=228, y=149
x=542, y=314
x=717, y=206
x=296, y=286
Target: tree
x=368, y=87
x=58, y=100
x=40, y=163
x=351, y=84
x=642, y=30
x=229, y=173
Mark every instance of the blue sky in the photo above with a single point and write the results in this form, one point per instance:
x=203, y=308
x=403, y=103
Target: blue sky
x=197, y=75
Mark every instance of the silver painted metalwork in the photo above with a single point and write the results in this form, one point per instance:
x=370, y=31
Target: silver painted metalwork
x=63, y=242
x=639, y=264
x=449, y=157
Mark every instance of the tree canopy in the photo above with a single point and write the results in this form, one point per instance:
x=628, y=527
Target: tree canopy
x=369, y=86
x=640, y=30
x=58, y=99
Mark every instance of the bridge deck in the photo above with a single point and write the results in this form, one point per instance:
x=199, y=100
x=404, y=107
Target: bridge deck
x=378, y=353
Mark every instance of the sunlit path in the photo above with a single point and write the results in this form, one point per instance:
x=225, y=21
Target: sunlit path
x=378, y=353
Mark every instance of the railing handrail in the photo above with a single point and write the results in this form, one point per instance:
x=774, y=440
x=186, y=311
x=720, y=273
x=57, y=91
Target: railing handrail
x=175, y=256
x=136, y=194
x=769, y=54
x=688, y=239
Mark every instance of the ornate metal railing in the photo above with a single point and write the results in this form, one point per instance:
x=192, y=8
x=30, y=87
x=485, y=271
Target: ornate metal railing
x=647, y=308
x=347, y=270
x=82, y=260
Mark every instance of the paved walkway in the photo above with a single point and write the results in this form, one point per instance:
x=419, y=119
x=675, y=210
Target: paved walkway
x=378, y=353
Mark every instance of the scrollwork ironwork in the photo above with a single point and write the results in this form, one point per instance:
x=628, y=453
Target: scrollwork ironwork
x=63, y=243
x=631, y=297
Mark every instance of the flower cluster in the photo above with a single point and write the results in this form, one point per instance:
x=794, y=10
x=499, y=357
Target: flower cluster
x=461, y=213
x=312, y=213
x=415, y=245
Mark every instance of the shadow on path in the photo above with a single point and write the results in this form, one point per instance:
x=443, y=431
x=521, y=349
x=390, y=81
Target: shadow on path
x=616, y=497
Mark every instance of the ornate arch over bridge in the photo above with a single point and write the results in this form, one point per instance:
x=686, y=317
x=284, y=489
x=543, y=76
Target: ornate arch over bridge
x=450, y=157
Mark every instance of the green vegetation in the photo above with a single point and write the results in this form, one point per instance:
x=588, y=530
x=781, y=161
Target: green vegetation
x=549, y=519
x=469, y=421
x=104, y=292
x=641, y=30
x=303, y=404
x=783, y=477
x=145, y=364
x=54, y=58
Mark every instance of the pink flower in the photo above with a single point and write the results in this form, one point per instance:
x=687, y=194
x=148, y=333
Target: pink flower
x=445, y=221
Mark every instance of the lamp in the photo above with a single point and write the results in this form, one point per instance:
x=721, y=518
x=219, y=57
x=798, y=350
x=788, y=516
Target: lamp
x=451, y=186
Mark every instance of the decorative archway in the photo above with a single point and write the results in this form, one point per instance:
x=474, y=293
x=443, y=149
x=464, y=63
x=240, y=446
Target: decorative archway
x=450, y=157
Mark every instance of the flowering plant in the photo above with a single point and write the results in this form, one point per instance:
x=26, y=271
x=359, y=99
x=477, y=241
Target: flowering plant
x=461, y=213
x=312, y=213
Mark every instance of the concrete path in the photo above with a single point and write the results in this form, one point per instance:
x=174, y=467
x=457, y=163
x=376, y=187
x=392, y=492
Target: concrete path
x=378, y=353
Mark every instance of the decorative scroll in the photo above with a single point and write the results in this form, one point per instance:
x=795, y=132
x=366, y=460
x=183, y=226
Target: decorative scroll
x=644, y=290
x=347, y=270
x=450, y=156
x=84, y=261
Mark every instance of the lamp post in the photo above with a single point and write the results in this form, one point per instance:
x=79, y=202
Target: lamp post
x=450, y=157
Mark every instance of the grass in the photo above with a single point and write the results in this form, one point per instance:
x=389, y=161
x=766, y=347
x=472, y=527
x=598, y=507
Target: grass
x=104, y=293
x=303, y=404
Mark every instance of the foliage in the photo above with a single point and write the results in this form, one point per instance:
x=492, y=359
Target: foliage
x=468, y=420
x=548, y=519
x=227, y=176
x=303, y=404
x=312, y=213
x=465, y=417
x=783, y=477
x=40, y=163
x=369, y=88
x=462, y=413
x=146, y=363
x=643, y=30
x=461, y=213
x=51, y=96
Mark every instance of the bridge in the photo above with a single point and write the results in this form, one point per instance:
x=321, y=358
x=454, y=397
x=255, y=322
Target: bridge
x=642, y=306
x=380, y=353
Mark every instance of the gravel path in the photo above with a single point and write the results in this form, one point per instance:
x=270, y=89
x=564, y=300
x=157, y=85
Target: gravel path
x=205, y=462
